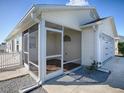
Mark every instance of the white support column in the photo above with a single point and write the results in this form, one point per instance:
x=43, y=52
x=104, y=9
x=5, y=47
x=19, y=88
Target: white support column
x=82, y=49
x=98, y=46
x=42, y=50
x=62, y=49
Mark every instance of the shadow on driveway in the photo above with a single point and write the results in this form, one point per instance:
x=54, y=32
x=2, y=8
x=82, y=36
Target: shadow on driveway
x=82, y=77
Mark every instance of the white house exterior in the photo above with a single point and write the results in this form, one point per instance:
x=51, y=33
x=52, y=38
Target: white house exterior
x=2, y=47
x=55, y=39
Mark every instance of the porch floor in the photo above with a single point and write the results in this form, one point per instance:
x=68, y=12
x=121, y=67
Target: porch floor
x=54, y=65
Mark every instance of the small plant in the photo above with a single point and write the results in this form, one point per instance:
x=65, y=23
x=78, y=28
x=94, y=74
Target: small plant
x=93, y=66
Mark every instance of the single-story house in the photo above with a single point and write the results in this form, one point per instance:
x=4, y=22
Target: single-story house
x=56, y=39
x=121, y=38
x=2, y=47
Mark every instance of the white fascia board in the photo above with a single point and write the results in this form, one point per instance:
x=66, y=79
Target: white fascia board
x=44, y=7
x=114, y=27
x=111, y=19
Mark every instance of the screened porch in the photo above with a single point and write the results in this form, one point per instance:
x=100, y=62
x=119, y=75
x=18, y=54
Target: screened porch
x=50, y=49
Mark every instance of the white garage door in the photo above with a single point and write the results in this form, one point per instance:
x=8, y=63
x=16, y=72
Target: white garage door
x=107, y=47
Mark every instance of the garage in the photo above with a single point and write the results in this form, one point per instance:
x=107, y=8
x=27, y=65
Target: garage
x=98, y=41
x=107, y=45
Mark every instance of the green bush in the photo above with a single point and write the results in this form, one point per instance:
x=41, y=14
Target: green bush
x=93, y=66
x=121, y=47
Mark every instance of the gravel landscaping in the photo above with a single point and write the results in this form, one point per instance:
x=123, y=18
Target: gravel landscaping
x=13, y=85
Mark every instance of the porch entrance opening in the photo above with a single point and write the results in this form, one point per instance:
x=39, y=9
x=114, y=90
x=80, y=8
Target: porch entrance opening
x=72, y=49
x=54, y=51
x=66, y=43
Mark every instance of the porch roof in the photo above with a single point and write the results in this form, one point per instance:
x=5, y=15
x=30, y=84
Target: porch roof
x=28, y=20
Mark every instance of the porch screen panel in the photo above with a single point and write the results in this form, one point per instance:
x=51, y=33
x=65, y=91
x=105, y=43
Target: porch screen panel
x=25, y=46
x=33, y=44
x=53, y=52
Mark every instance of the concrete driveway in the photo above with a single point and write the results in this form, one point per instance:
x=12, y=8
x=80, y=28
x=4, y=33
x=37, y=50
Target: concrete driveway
x=113, y=84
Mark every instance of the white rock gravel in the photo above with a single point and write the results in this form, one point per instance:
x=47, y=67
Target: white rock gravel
x=13, y=85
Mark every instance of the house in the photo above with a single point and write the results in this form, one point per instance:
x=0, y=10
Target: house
x=117, y=39
x=121, y=38
x=56, y=39
x=2, y=47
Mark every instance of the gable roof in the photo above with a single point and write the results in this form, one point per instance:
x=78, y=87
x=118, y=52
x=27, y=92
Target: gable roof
x=38, y=8
x=98, y=21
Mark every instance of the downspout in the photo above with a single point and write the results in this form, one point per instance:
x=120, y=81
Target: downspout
x=39, y=83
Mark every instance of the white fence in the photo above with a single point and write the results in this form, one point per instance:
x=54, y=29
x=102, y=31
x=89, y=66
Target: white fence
x=9, y=60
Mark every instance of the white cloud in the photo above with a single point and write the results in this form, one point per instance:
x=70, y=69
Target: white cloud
x=78, y=3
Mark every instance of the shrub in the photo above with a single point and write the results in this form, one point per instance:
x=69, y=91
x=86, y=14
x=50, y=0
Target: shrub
x=93, y=66
x=121, y=48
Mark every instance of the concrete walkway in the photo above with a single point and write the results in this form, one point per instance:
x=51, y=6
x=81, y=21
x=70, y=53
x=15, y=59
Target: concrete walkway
x=114, y=83
x=116, y=79
x=13, y=74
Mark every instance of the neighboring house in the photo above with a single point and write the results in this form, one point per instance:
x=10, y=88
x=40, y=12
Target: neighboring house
x=121, y=38
x=117, y=40
x=2, y=47
x=14, y=44
x=55, y=39
x=116, y=45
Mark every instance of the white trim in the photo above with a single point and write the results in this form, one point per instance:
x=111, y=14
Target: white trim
x=72, y=61
x=62, y=49
x=98, y=47
x=53, y=56
x=67, y=72
x=82, y=49
x=53, y=74
x=42, y=50
x=33, y=75
x=26, y=52
x=58, y=72
x=26, y=66
x=53, y=30
x=33, y=64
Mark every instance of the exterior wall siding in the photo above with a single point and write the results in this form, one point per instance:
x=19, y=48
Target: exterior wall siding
x=106, y=37
x=88, y=46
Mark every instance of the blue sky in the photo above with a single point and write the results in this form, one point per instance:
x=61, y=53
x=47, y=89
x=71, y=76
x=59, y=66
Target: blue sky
x=13, y=10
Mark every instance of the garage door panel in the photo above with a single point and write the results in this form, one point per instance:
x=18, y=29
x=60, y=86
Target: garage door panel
x=107, y=47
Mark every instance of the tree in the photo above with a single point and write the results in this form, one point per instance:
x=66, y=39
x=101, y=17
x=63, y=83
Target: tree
x=121, y=47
